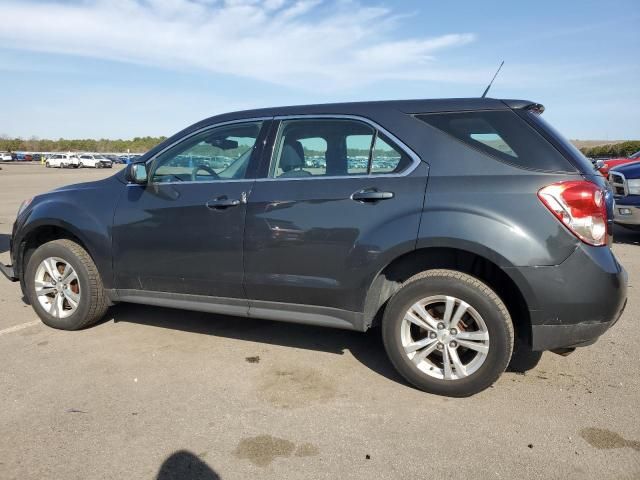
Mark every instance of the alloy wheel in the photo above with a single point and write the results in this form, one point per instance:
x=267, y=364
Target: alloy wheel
x=444, y=337
x=57, y=287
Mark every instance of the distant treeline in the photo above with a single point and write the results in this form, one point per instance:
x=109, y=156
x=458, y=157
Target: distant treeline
x=623, y=149
x=143, y=144
x=136, y=145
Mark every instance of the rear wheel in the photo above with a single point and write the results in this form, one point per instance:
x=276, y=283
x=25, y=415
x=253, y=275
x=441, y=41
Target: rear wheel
x=448, y=333
x=64, y=287
x=47, y=164
x=80, y=165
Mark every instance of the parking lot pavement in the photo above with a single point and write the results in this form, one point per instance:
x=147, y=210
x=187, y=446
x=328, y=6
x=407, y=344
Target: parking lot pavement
x=155, y=393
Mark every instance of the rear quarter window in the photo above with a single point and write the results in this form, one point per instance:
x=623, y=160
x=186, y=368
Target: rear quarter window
x=503, y=135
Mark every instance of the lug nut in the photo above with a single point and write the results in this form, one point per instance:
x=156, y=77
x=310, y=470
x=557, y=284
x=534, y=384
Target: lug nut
x=441, y=326
x=440, y=346
x=453, y=331
x=433, y=335
x=453, y=344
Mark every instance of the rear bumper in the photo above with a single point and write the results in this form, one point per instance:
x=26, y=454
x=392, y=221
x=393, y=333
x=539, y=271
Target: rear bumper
x=577, y=301
x=551, y=337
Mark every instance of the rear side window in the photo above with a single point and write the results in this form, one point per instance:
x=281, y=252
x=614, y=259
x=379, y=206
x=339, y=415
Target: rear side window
x=503, y=135
x=334, y=147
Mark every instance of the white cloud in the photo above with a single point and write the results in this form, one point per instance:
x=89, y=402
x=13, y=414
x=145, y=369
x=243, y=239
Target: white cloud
x=305, y=44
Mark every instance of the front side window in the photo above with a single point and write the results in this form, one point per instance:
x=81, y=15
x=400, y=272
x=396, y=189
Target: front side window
x=221, y=153
x=333, y=148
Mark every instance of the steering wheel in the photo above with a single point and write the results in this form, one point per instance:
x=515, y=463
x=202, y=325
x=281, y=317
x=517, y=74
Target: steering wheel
x=206, y=168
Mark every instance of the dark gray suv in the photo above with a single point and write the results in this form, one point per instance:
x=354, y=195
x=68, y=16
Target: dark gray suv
x=460, y=226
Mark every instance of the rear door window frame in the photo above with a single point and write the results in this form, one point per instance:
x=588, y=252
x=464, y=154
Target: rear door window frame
x=270, y=152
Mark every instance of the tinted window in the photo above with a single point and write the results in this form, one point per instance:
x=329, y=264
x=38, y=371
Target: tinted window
x=333, y=147
x=570, y=151
x=307, y=148
x=501, y=134
x=220, y=153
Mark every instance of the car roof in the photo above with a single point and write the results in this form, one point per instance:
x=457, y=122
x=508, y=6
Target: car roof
x=372, y=107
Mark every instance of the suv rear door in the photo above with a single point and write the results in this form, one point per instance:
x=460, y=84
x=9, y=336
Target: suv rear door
x=339, y=197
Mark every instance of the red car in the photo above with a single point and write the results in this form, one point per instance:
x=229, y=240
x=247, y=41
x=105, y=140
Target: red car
x=614, y=162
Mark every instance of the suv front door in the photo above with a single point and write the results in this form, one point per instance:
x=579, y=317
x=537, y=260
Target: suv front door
x=182, y=232
x=340, y=199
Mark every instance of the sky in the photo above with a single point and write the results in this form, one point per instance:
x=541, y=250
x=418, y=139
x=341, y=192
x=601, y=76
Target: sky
x=127, y=68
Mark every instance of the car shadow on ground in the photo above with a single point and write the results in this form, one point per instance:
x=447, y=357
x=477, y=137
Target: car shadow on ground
x=625, y=236
x=366, y=347
x=185, y=465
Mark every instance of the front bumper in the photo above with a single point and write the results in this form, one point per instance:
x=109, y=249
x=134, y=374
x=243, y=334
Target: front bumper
x=7, y=271
x=573, y=303
x=626, y=214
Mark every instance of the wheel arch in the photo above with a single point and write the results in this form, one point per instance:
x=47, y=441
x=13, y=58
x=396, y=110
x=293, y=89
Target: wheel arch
x=503, y=280
x=46, y=230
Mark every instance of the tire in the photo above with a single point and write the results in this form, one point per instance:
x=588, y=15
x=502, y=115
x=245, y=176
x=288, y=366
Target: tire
x=47, y=165
x=98, y=165
x=86, y=288
x=487, y=316
x=80, y=165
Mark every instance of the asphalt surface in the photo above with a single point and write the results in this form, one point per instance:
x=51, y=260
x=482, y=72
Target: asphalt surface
x=162, y=393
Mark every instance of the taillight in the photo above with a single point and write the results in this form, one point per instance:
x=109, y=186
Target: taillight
x=580, y=206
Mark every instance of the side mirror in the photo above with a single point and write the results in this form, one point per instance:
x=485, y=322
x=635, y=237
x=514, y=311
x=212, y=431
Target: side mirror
x=599, y=164
x=137, y=173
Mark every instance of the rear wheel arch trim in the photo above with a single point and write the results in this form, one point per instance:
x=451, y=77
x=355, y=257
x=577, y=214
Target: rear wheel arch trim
x=376, y=297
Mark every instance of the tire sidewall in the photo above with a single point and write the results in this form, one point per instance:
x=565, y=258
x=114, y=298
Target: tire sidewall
x=53, y=249
x=501, y=338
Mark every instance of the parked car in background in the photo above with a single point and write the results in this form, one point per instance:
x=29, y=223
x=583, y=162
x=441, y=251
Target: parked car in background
x=625, y=183
x=610, y=163
x=5, y=157
x=113, y=158
x=62, y=160
x=129, y=158
x=94, y=161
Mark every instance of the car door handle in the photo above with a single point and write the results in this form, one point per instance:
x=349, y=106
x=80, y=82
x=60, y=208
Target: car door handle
x=221, y=203
x=371, y=196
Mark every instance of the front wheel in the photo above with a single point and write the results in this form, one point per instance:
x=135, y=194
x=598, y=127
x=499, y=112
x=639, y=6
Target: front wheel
x=64, y=287
x=448, y=333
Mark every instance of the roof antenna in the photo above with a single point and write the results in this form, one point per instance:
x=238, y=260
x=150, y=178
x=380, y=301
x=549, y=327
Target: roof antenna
x=491, y=82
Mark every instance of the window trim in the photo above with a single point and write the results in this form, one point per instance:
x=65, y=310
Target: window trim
x=377, y=128
x=150, y=161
